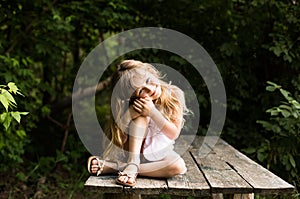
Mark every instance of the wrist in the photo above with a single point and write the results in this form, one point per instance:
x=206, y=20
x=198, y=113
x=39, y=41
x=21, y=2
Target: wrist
x=157, y=117
x=153, y=111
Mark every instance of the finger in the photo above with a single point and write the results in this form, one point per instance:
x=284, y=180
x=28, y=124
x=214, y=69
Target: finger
x=143, y=99
x=138, y=104
x=137, y=109
x=139, y=100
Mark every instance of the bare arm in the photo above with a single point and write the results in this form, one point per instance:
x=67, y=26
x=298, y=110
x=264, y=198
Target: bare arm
x=146, y=107
x=170, y=129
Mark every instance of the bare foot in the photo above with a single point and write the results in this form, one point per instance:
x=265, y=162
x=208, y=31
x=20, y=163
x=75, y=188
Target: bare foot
x=128, y=175
x=94, y=166
x=98, y=165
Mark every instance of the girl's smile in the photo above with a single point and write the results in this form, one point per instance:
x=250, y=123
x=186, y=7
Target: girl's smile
x=151, y=89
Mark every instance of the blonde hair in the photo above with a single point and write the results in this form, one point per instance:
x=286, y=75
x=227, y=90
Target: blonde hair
x=132, y=74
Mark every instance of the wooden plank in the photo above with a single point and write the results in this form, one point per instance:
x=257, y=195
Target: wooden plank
x=185, y=140
x=201, y=147
x=107, y=184
x=217, y=196
x=148, y=186
x=262, y=180
x=220, y=176
x=192, y=183
x=243, y=196
x=104, y=183
x=121, y=196
x=223, y=169
x=184, y=143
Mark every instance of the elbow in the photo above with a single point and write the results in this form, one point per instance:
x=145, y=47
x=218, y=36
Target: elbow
x=174, y=136
x=171, y=133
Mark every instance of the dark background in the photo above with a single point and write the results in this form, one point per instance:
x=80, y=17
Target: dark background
x=43, y=43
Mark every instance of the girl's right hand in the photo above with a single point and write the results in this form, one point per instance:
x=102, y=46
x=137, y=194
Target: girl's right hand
x=143, y=106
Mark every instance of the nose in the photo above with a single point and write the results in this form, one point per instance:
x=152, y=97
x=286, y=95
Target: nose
x=149, y=88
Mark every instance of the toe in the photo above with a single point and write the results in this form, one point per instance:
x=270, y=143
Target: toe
x=130, y=180
x=94, y=168
x=94, y=162
x=123, y=179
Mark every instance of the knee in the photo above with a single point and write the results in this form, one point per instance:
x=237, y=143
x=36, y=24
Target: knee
x=141, y=120
x=177, y=168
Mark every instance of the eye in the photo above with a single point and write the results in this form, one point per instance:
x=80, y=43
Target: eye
x=140, y=92
x=147, y=80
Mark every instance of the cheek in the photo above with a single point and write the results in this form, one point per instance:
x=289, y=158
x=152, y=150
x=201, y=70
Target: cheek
x=143, y=94
x=159, y=90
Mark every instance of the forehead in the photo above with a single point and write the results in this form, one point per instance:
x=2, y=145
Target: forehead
x=133, y=80
x=139, y=77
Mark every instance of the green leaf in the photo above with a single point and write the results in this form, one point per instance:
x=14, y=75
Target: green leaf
x=274, y=112
x=21, y=133
x=12, y=87
x=265, y=124
x=261, y=156
x=285, y=93
x=285, y=107
x=292, y=161
x=277, y=51
x=250, y=150
x=9, y=98
x=296, y=104
x=285, y=113
x=271, y=83
x=270, y=88
x=295, y=114
x=6, y=119
x=16, y=115
x=274, y=84
x=4, y=101
x=2, y=117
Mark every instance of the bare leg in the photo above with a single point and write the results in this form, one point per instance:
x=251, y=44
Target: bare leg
x=168, y=167
x=137, y=132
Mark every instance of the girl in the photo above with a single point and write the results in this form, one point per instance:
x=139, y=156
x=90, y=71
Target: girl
x=146, y=118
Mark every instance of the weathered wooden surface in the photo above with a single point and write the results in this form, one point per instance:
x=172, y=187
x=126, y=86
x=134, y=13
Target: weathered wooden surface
x=214, y=168
x=221, y=177
x=261, y=180
x=192, y=183
x=104, y=184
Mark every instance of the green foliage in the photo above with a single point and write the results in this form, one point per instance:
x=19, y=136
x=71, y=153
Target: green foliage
x=9, y=103
x=280, y=149
x=11, y=139
x=44, y=42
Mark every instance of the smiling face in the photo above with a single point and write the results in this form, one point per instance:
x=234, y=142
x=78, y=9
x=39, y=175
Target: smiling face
x=138, y=82
x=151, y=88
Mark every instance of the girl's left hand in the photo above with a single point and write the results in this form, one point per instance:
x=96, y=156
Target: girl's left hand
x=143, y=106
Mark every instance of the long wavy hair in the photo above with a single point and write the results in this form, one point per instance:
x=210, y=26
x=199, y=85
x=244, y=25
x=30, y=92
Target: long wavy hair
x=131, y=75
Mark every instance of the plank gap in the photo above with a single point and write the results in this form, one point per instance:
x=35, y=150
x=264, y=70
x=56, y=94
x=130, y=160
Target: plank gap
x=199, y=167
x=232, y=167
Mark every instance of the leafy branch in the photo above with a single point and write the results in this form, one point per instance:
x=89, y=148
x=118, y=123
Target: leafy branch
x=9, y=103
x=290, y=107
x=282, y=130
